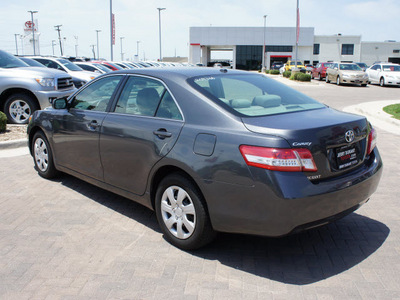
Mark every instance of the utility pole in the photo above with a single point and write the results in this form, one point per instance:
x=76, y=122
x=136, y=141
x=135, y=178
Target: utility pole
x=59, y=37
x=33, y=30
x=94, y=55
x=16, y=43
x=159, y=27
x=97, y=36
x=53, y=43
x=111, y=30
x=137, y=49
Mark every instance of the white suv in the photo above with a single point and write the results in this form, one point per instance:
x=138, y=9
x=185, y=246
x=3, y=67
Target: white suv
x=79, y=76
x=384, y=74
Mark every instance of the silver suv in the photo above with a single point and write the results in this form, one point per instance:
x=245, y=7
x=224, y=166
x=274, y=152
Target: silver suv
x=24, y=89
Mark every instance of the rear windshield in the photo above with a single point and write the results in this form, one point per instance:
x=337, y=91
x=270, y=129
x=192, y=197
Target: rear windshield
x=253, y=94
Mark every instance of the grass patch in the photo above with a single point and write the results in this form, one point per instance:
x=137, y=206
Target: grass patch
x=394, y=110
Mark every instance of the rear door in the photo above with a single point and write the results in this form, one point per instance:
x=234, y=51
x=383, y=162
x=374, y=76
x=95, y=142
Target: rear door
x=143, y=128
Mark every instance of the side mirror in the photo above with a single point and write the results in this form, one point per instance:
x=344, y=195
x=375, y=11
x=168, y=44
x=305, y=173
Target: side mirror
x=60, y=103
x=336, y=68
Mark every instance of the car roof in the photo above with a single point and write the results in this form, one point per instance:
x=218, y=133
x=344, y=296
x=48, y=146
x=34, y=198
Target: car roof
x=183, y=72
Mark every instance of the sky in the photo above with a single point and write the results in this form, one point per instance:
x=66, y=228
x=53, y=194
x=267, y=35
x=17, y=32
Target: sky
x=137, y=20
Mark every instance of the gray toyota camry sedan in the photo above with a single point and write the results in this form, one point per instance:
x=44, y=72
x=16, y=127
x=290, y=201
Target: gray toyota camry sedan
x=211, y=150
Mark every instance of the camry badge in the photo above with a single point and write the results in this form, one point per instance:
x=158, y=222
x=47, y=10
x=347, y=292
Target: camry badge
x=349, y=136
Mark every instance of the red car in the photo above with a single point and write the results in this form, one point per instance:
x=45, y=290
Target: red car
x=319, y=72
x=108, y=64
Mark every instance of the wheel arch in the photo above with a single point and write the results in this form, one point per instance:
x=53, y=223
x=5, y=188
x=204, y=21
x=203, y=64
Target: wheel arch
x=164, y=171
x=11, y=91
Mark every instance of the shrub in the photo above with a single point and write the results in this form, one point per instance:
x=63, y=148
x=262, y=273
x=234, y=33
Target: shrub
x=3, y=122
x=287, y=74
x=274, y=72
x=303, y=77
x=267, y=71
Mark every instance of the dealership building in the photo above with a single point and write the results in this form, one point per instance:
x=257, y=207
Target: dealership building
x=246, y=45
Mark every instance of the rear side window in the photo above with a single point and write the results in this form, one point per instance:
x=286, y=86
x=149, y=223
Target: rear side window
x=147, y=97
x=253, y=94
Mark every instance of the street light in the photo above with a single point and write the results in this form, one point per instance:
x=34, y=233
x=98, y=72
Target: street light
x=16, y=43
x=137, y=49
x=111, y=30
x=122, y=54
x=33, y=29
x=97, y=35
x=159, y=27
x=263, y=54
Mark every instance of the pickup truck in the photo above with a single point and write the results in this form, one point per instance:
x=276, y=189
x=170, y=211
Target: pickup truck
x=24, y=89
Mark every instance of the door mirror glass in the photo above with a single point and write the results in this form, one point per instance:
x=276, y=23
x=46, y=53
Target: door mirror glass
x=60, y=103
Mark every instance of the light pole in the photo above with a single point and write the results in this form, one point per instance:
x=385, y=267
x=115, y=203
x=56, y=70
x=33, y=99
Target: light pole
x=16, y=43
x=94, y=55
x=76, y=45
x=137, y=49
x=111, y=30
x=297, y=34
x=159, y=27
x=59, y=37
x=33, y=30
x=122, y=54
x=263, y=51
x=97, y=36
x=22, y=43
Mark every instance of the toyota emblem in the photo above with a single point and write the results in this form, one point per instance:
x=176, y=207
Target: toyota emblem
x=349, y=136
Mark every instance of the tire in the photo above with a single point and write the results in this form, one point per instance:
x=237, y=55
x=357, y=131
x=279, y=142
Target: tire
x=43, y=156
x=338, y=80
x=182, y=214
x=319, y=77
x=382, y=81
x=364, y=85
x=327, y=78
x=19, y=107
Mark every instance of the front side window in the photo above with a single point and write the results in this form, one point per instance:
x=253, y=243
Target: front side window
x=252, y=95
x=97, y=95
x=391, y=68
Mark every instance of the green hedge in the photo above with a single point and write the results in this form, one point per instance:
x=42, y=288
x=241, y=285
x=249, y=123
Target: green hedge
x=274, y=72
x=3, y=122
x=300, y=77
x=287, y=74
x=267, y=71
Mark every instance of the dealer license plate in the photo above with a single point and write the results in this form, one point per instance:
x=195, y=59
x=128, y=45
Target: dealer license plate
x=346, y=157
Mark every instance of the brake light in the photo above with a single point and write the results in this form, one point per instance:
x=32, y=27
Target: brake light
x=371, y=141
x=287, y=160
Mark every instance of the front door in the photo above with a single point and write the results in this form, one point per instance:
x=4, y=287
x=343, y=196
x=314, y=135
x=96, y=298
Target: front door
x=76, y=134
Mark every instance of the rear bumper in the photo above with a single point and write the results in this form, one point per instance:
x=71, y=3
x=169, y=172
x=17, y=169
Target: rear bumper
x=283, y=202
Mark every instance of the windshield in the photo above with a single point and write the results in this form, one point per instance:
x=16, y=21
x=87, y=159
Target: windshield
x=10, y=61
x=253, y=95
x=69, y=65
x=391, y=68
x=350, y=67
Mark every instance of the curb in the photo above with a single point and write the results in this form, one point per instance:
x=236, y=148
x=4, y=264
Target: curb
x=14, y=144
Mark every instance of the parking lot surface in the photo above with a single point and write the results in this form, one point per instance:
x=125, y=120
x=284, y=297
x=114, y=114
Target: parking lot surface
x=67, y=239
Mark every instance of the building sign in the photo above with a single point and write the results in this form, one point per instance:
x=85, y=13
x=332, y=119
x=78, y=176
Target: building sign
x=29, y=26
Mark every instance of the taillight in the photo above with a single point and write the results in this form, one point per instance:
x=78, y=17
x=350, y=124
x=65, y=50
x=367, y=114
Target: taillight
x=371, y=141
x=287, y=160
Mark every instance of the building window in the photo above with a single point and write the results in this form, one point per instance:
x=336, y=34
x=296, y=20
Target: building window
x=347, y=49
x=269, y=48
x=396, y=51
x=315, y=62
x=316, y=49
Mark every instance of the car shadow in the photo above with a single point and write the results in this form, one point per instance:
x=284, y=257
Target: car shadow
x=302, y=258
x=299, y=259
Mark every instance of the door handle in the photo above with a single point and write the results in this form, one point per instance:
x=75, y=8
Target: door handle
x=93, y=125
x=162, y=133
